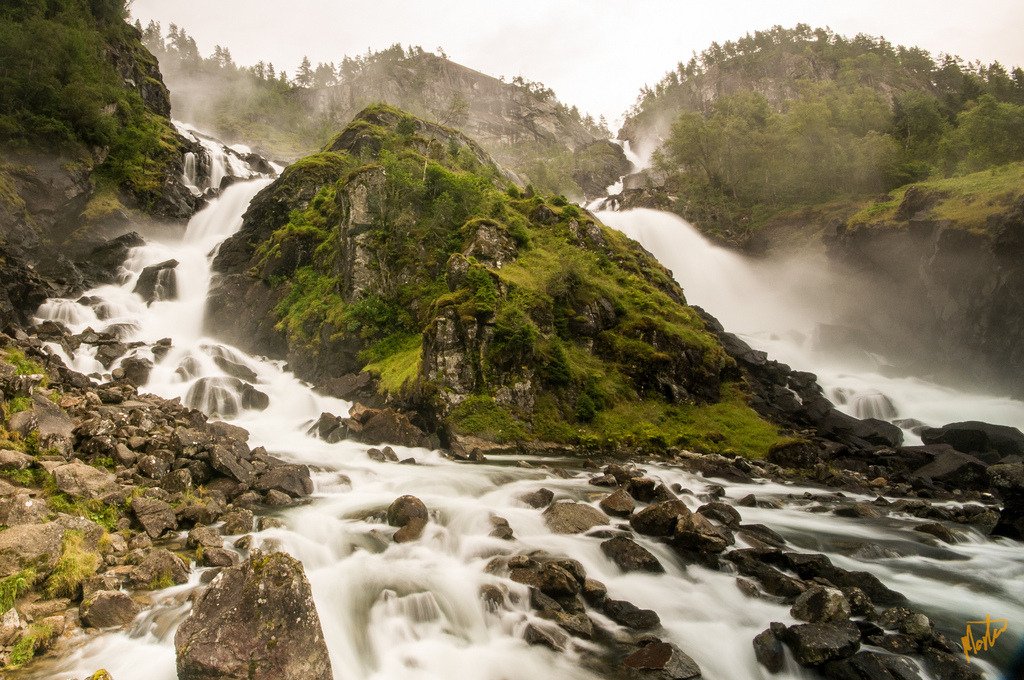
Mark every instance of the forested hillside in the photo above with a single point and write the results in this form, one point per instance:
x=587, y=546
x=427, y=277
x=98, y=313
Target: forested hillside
x=787, y=118
x=291, y=114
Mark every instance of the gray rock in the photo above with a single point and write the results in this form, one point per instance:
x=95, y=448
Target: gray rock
x=814, y=644
x=567, y=517
x=85, y=481
x=618, y=504
x=872, y=666
x=630, y=556
x=661, y=661
x=160, y=568
x=108, y=608
x=541, y=498
x=254, y=622
x=819, y=604
x=629, y=615
x=660, y=519
x=768, y=650
x=154, y=515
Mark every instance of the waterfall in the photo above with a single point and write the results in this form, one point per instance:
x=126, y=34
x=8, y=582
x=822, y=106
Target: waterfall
x=778, y=307
x=395, y=611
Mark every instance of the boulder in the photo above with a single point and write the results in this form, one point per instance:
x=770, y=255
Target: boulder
x=567, y=517
x=977, y=437
x=721, y=512
x=293, y=480
x=108, y=608
x=768, y=651
x=629, y=615
x=954, y=469
x=136, y=370
x=694, y=532
x=618, y=504
x=814, y=644
x=541, y=498
x=160, y=568
x=84, y=481
x=660, y=661
x=154, y=515
x=409, y=514
x=158, y=282
x=840, y=426
x=385, y=426
x=660, y=519
x=630, y=556
x=872, y=666
x=31, y=545
x=254, y=622
x=819, y=604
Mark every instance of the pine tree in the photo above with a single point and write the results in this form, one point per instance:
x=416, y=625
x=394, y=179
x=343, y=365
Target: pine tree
x=304, y=76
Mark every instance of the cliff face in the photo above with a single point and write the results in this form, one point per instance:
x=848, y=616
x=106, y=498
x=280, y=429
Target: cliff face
x=401, y=252
x=63, y=196
x=960, y=291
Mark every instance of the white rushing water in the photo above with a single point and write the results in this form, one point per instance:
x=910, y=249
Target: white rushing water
x=410, y=611
x=778, y=308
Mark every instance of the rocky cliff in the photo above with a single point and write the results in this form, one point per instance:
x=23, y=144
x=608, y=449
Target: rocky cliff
x=401, y=251
x=71, y=178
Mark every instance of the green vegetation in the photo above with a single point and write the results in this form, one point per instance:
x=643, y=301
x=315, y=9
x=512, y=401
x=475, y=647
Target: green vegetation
x=11, y=587
x=22, y=364
x=968, y=201
x=75, y=565
x=805, y=117
x=29, y=644
x=59, y=88
x=289, y=117
x=577, y=315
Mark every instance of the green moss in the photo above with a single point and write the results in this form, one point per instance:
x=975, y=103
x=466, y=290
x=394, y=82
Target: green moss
x=75, y=565
x=484, y=417
x=22, y=364
x=12, y=587
x=17, y=405
x=398, y=364
x=93, y=509
x=29, y=644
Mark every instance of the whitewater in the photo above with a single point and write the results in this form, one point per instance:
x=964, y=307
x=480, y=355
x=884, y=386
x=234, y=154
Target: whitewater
x=414, y=610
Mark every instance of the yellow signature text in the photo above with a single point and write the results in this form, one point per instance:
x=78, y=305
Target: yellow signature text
x=993, y=629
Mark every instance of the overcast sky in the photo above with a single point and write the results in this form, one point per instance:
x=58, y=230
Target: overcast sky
x=593, y=53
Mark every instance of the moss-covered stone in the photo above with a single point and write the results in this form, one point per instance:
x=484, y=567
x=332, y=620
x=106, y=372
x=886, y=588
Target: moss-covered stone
x=401, y=249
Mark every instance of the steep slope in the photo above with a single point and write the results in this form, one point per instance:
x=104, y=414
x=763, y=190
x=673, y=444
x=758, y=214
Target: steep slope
x=84, y=131
x=522, y=124
x=401, y=251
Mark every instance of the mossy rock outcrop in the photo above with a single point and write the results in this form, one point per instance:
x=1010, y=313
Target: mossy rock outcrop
x=402, y=250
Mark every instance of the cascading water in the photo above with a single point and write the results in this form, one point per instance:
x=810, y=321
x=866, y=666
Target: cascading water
x=414, y=610
x=777, y=308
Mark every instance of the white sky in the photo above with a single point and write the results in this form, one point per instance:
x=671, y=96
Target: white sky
x=593, y=53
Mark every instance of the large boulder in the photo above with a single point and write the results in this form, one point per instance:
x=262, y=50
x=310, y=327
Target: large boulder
x=567, y=517
x=660, y=661
x=85, y=481
x=255, y=622
x=977, y=437
x=630, y=556
x=814, y=644
x=158, y=282
x=108, y=608
x=660, y=519
x=1008, y=480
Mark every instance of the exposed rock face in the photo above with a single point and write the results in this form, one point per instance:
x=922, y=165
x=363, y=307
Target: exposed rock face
x=962, y=289
x=158, y=282
x=255, y=622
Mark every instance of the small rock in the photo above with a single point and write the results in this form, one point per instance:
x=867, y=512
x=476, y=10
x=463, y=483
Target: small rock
x=629, y=615
x=630, y=556
x=659, y=519
x=662, y=661
x=541, y=498
x=769, y=652
x=108, y=608
x=813, y=644
x=819, y=604
x=567, y=517
x=618, y=504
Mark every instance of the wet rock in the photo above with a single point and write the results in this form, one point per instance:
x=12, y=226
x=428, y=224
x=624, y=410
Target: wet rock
x=819, y=604
x=385, y=455
x=618, y=504
x=768, y=651
x=548, y=636
x=647, y=490
x=1008, y=480
x=694, y=532
x=204, y=537
x=750, y=563
x=660, y=519
x=293, y=480
x=567, y=517
x=630, y=556
x=872, y=666
x=954, y=469
x=813, y=644
x=85, y=481
x=760, y=534
x=108, y=608
x=225, y=396
x=501, y=528
x=939, y=531
x=158, y=282
x=229, y=462
x=629, y=615
x=254, y=622
x=721, y=512
x=219, y=557
x=859, y=511
x=410, y=515
x=906, y=621
x=977, y=437
x=160, y=568
x=541, y=498
x=660, y=661
x=385, y=426
x=155, y=516
x=238, y=522
x=136, y=370
x=946, y=666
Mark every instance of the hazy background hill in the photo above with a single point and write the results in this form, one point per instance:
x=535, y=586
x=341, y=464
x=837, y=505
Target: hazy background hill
x=290, y=114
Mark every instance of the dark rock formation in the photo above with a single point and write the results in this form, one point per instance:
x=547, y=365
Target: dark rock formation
x=254, y=622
